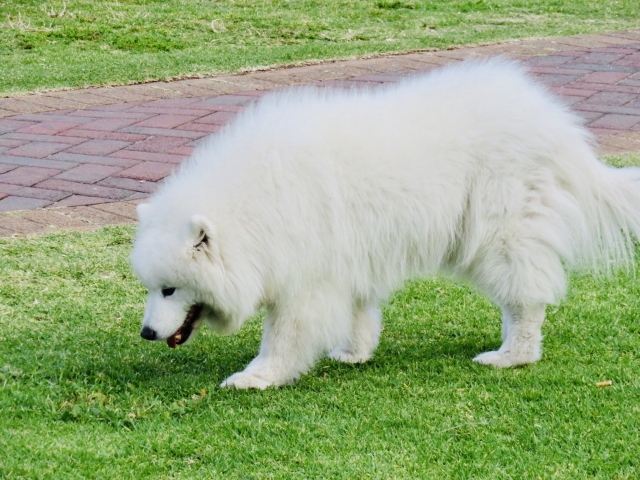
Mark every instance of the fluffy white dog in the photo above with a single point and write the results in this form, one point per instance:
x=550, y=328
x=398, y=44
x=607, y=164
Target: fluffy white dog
x=315, y=203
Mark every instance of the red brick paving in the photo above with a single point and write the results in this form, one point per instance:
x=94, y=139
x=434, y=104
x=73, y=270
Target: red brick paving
x=154, y=132
x=115, y=152
x=616, y=121
x=158, y=144
x=602, y=58
x=14, y=123
x=632, y=60
x=35, y=162
x=37, y=149
x=108, y=124
x=11, y=203
x=200, y=127
x=47, y=128
x=610, y=98
x=41, y=193
x=148, y=156
x=604, y=87
x=6, y=142
x=6, y=189
x=78, y=200
x=29, y=137
x=152, y=171
x=167, y=121
x=99, y=147
x=88, y=173
x=85, y=189
x=183, y=151
x=27, y=176
x=129, y=184
x=95, y=159
x=104, y=135
x=217, y=118
x=605, y=77
x=219, y=107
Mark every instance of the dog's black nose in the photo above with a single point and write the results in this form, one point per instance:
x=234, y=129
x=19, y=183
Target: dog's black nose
x=148, y=333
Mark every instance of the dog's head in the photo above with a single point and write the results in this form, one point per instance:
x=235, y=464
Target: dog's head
x=184, y=273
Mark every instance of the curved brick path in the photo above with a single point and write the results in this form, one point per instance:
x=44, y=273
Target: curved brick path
x=83, y=158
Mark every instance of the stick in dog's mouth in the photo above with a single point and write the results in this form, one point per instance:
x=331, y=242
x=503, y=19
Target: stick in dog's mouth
x=183, y=333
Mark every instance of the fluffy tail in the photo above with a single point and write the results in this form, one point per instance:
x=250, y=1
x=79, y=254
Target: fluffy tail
x=610, y=203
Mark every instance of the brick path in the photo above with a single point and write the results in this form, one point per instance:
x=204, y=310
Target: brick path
x=96, y=152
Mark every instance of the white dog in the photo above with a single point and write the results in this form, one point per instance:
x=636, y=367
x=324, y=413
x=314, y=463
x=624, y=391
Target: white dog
x=315, y=203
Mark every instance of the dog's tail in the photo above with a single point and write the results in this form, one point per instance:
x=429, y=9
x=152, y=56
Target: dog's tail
x=609, y=201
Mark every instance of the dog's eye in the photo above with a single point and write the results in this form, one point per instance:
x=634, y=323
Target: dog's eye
x=167, y=292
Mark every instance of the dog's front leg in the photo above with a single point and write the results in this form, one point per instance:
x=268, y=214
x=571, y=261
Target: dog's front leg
x=293, y=338
x=287, y=351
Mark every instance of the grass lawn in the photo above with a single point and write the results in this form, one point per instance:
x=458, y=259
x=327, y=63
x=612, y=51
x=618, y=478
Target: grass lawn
x=83, y=396
x=73, y=43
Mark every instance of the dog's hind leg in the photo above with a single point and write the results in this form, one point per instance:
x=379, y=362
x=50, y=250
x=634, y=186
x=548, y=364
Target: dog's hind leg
x=523, y=275
x=295, y=334
x=521, y=338
x=364, y=338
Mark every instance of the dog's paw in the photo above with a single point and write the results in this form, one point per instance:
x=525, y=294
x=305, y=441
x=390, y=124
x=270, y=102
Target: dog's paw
x=349, y=357
x=497, y=359
x=245, y=381
x=502, y=359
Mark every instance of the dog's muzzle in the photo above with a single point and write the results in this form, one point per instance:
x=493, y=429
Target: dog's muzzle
x=182, y=334
x=148, y=333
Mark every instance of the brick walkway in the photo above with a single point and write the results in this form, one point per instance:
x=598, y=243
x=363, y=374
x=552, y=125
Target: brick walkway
x=83, y=158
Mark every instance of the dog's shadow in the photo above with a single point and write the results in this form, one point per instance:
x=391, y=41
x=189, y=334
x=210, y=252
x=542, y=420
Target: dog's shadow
x=208, y=361
x=395, y=356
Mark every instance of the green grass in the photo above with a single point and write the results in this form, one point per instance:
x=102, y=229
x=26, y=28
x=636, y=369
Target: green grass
x=624, y=160
x=82, y=396
x=75, y=43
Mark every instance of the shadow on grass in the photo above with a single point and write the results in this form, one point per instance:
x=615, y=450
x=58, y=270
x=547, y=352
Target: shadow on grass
x=208, y=361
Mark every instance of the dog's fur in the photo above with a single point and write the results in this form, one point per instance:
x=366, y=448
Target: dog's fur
x=315, y=203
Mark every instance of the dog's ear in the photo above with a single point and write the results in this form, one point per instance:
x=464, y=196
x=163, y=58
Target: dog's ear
x=142, y=209
x=202, y=236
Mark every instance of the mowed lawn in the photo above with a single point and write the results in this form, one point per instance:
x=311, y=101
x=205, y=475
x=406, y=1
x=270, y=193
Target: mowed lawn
x=71, y=43
x=83, y=396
